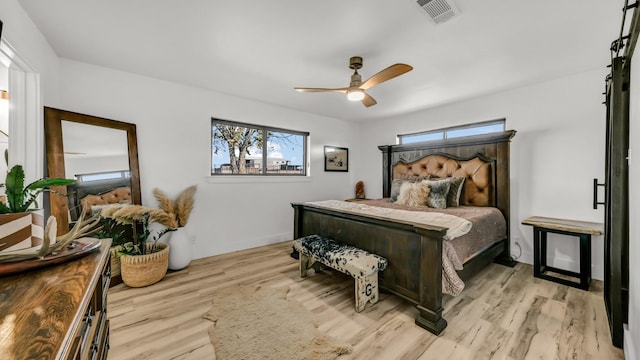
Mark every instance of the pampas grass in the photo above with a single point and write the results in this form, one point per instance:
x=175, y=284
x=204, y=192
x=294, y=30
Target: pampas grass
x=127, y=214
x=171, y=214
x=181, y=208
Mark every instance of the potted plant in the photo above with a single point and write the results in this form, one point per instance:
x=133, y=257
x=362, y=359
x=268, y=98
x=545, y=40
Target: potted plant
x=144, y=261
x=179, y=211
x=21, y=202
x=120, y=234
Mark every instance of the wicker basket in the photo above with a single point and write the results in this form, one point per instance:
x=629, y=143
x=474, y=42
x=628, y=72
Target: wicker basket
x=145, y=270
x=115, y=260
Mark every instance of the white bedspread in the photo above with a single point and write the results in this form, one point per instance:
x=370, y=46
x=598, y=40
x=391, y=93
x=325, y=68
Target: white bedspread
x=456, y=227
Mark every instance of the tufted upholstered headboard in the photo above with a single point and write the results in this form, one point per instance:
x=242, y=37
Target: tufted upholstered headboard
x=92, y=189
x=483, y=159
x=121, y=195
x=479, y=174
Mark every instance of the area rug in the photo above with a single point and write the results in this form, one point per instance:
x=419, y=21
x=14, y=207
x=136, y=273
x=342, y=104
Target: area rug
x=260, y=323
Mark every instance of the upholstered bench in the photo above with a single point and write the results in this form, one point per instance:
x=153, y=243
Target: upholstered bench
x=360, y=264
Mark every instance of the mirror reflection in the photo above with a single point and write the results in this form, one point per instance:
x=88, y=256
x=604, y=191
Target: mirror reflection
x=98, y=159
x=101, y=154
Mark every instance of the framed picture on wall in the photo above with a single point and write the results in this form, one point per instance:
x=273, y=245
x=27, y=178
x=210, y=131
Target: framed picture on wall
x=336, y=158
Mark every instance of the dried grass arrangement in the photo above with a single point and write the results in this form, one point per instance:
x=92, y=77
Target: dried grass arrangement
x=179, y=209
x=128, y=214
x=172, y=214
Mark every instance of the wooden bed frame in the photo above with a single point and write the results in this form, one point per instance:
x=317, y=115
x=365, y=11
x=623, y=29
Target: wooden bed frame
x=414, y=251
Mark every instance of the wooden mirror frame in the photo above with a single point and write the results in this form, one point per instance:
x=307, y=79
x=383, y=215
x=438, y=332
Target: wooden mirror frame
x=55, y=157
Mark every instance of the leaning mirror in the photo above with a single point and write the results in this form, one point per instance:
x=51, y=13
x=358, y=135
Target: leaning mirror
x=101, y=154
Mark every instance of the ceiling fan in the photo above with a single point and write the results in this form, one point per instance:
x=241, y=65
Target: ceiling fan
x=356, y=89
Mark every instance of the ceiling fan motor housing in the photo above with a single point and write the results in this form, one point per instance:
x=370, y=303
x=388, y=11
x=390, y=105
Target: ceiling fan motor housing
x=355, y=62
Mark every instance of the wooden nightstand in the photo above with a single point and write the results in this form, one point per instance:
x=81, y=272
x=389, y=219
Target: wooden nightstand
x=582, y=229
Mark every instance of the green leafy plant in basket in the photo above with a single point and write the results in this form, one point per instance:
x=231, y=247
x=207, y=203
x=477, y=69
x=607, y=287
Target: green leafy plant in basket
x=20, y=198
x=144, y=242
x=117, y=232
x=144, y=261
x=140, y=247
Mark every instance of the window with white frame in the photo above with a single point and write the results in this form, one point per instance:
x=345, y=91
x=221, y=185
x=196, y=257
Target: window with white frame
x=110, y=175
x=485, y=127
x=247, y=149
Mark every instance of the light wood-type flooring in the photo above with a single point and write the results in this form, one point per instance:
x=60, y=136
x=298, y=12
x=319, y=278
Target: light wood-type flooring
x=504, y=313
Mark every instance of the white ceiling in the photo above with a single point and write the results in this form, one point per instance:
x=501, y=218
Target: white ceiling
x=262, y=49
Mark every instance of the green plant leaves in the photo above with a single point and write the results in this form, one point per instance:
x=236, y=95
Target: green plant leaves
x=14, y=185
x=19, y=197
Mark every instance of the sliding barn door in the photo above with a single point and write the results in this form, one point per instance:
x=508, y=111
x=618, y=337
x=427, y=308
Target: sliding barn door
x=616, y=237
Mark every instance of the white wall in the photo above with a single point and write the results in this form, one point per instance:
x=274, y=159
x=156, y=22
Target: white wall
x=632, y=348
x=26, y=43
x=174, y=129
x=21, y=33
x=557, y=152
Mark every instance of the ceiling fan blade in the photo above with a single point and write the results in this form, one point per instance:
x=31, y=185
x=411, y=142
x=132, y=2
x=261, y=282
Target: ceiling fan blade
x=341, y=90
x=368, y=100
x=386, y=74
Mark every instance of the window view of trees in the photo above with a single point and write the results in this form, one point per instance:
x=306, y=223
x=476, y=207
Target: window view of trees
x=243, y=149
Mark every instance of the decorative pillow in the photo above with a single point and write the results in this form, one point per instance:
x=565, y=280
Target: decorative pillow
x=455, y=191
x=413, y=194
x=438, y=190
x=395, y=189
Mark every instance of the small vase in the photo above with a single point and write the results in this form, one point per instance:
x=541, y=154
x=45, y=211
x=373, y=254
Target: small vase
x=180, y=255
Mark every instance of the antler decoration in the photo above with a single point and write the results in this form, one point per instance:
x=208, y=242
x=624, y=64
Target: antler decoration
x=50, y=244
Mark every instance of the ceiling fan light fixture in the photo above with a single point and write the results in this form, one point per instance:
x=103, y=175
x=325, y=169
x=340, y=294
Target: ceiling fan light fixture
x=356, y=89
x=355, y=95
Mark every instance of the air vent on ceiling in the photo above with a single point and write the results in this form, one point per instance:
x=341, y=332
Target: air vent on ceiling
x=439, y=10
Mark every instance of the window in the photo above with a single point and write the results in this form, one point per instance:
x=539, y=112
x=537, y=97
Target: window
x=103, y=176
x=245, y=149
x=485, y=127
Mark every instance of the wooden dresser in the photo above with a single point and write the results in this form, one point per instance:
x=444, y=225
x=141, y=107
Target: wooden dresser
x=58, y=312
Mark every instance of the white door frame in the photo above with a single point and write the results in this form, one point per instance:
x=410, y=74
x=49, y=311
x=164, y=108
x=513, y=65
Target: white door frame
x=26, y=127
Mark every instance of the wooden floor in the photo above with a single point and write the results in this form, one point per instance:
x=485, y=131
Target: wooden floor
x=504, y=313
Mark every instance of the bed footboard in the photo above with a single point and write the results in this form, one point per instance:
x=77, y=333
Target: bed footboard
x=414, y=252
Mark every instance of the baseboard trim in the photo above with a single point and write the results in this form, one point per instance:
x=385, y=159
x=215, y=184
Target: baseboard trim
x=597, y=272
x=629, y=350
x=240, y=244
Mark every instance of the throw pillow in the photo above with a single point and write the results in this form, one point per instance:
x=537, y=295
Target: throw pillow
x=455, y=191
x=438, y=190
x=413, y=194
x=395, y=189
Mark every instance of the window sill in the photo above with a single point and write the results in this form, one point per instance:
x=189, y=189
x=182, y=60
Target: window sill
x=247, y=179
